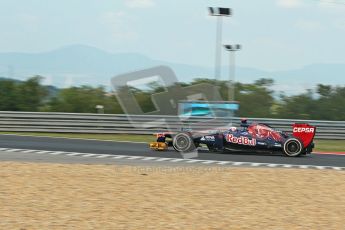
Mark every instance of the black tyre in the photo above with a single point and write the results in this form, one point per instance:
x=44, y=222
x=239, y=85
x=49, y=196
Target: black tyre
x=293, y=147
x=183, y=142
x=309, y=149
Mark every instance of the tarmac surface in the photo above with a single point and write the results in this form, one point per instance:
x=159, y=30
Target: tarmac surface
x=128, y=149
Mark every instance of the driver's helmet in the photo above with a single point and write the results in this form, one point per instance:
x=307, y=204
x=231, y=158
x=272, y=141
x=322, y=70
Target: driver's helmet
x=244, y=123
x=233, y=129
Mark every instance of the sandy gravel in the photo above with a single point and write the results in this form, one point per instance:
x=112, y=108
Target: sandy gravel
x=56, y=196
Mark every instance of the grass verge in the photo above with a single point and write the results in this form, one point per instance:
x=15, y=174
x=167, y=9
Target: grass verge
x=114, y=137
x=329, y=145
x=320, y=145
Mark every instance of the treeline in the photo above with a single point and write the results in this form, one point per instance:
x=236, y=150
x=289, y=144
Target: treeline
x=256, y=100
x=31, y=96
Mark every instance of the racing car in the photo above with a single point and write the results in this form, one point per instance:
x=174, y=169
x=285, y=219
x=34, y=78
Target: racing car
x=253, y=137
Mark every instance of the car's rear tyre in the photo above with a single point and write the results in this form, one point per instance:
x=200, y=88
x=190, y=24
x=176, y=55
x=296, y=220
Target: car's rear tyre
x=183, y=142
x=293, y=147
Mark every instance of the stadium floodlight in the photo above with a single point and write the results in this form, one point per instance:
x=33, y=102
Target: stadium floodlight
x=219, y=12
x=231, y=89
x=236, y=47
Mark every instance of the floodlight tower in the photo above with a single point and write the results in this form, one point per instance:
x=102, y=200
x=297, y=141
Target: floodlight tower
x=231, y=89
x=219, y=12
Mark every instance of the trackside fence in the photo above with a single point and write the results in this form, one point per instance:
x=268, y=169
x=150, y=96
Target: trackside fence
x=142, y=124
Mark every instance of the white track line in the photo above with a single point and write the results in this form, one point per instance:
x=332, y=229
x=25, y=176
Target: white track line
x=190, y=161
x=303, y=166
x=257, y=164
x=238, y=163
x=224, y=162
x=287, y=166
x=13, y=150
x=163, y=159
x=272, y=165
x=337, y=168
x=43, y=152
x=29, y=151
x=320, y=167
x=119, y=156
x=176, y=160
x=134, y=157
x=193, y=161
x=89, y=155
x=103, y=156
x=57, y=153
x=208, y=162
x=148, y=158
x=74, y=154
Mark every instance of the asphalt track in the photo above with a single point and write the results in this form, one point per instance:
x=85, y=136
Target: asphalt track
x=141, y=149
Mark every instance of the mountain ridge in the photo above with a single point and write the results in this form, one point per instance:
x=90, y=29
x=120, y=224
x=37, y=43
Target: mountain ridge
x=81, y=64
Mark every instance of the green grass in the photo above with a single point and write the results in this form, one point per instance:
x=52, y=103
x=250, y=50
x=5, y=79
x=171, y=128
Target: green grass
x=114, y=137
x=329, y=145
x=320, y=145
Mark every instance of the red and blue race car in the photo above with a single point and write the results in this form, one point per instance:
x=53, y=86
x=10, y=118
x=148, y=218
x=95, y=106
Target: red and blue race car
x=254, y=137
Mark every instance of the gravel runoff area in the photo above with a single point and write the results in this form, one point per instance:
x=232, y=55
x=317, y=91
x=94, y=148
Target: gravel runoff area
x=75, y=196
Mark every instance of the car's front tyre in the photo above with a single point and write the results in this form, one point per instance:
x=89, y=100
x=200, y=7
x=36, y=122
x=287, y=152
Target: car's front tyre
x=183, y=142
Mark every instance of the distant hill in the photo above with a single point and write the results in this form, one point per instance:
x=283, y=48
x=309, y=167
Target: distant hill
x=85, y=65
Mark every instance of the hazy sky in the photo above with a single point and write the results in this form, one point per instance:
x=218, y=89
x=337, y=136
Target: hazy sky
x=275, y=34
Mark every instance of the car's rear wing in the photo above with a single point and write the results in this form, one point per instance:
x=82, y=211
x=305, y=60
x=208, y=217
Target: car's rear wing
x=304, y=132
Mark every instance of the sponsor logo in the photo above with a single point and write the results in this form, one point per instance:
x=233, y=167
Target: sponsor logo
x=240, y=140
x=208, y=138
x=303, y=130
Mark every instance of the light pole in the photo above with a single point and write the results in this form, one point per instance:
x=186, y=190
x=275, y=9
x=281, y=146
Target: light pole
x=231, y=89
x=219, y=12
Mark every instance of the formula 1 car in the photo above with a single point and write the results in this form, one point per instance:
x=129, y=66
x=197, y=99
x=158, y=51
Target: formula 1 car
x=254, y=137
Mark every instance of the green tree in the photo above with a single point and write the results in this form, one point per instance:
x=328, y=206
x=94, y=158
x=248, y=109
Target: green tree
x=83, y=100
x=256, y=99
x=31, y=94
x=297, y=107
x=327, y=104
x=22, y=96
x=330, y=104
x=8, y=95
